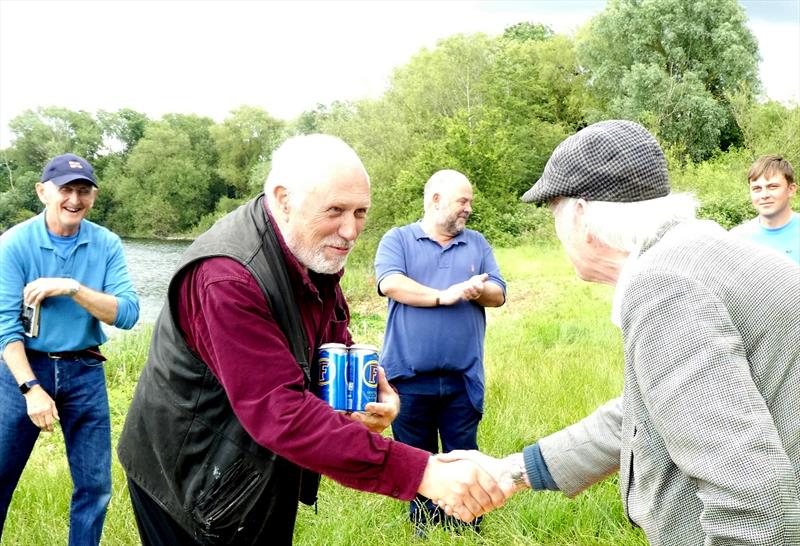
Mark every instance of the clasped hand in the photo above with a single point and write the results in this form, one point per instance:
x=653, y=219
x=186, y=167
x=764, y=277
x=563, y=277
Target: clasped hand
x=471, y=289
x=463, y=487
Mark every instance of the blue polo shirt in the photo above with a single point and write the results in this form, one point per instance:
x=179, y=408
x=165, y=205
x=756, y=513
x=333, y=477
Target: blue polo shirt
x=426, y=342
x=95, y=260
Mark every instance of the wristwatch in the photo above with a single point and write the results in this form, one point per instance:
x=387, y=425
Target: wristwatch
x=516, y=468
x=28, y=385
x=73, y=289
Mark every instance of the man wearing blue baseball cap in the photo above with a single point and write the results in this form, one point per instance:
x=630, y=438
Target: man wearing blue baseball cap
x=706, y=435
x=71, y=274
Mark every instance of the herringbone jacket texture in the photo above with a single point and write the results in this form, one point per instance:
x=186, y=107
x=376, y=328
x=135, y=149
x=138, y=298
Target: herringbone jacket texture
x=707, y=434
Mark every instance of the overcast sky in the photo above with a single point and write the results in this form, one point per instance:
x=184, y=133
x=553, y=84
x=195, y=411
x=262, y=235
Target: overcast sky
x=209, y=57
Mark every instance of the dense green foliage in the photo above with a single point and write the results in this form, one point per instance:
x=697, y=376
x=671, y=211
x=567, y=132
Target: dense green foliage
x=491, y=107
x=552, y=356
x=671, y=65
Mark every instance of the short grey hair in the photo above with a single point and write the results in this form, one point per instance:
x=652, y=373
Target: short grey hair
x=626, y=226
x=441, y=182
x=303, y=162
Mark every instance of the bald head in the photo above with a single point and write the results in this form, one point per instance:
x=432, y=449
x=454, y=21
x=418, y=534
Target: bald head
x=448, y=202
x=443, y=183
x=307, y=162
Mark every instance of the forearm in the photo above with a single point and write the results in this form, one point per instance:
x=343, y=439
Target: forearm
x=492, y=295
x=17, y=361
x=586, y=452
x=408, y=291
x=100, y=305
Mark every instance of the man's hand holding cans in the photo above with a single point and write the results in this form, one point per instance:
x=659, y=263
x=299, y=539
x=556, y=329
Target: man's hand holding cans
x=379, y=415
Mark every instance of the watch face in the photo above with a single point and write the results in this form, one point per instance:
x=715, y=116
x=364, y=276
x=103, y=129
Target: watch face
x=25, y=387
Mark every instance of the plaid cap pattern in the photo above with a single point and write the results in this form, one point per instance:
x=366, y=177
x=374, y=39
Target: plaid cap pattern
x=613, y=160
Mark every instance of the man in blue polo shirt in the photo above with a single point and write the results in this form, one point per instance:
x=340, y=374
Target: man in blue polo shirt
x=438, y=277
x=75, y=272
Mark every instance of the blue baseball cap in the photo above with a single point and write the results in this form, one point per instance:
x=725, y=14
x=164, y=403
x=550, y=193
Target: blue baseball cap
x=67, y=168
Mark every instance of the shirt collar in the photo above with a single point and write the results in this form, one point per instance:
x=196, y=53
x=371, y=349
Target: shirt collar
x=794, y=219
x=84, y=235
x=419, y=233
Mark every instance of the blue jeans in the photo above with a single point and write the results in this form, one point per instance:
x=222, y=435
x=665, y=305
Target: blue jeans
x=445, y=413
x=78, y=387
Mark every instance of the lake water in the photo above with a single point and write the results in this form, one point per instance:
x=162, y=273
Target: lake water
x=151, y=264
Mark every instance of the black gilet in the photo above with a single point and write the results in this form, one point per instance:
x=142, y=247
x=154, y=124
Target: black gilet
x=182, y=442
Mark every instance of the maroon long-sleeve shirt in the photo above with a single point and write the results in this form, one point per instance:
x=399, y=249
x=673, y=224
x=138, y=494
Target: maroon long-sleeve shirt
x=226, y=321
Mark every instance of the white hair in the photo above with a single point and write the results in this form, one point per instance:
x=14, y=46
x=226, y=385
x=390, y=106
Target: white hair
x=303, y=162
x=441, y=182
x=625, y=226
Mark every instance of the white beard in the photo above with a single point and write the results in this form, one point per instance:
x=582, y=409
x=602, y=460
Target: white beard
x=314, y=258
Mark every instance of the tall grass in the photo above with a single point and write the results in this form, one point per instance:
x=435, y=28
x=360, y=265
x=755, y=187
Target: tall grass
x=551, y=357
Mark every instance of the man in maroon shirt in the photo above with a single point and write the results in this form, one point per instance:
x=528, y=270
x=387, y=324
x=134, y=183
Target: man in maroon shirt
x=223, y=436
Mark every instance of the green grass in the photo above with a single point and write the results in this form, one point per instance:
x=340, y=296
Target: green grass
x=551, y=358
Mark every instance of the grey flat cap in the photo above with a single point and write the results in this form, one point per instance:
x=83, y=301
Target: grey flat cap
x=612, y=160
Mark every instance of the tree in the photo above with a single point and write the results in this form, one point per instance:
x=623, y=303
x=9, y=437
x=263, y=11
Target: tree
x=315, y=121
x=165, y=186
x=527, y=31
x=124, y=126
x=244, y=139
x=671, y=65
x=45, y=132
x=769, y=128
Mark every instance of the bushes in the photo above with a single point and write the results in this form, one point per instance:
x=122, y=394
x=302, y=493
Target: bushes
x=719, y=184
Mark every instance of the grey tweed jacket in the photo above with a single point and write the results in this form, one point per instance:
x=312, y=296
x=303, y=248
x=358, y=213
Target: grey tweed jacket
x=706, y=436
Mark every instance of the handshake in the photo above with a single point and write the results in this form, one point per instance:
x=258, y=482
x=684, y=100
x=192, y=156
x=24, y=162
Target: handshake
x=467, y=484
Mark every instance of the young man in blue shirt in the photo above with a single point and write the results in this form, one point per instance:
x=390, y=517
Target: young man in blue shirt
x=75, y=271
x=772, y=186
x=438, y=277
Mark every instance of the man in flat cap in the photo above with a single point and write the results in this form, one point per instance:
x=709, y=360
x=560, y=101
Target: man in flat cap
x=73, y=271
x=706, y=436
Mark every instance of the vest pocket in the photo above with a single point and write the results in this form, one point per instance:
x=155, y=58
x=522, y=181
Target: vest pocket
x=220, y=510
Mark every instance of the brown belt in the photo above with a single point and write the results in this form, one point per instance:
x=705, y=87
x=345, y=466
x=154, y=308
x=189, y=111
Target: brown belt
x=91, y=352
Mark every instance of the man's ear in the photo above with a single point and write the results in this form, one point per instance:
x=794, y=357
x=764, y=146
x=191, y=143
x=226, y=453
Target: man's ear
x=281, y=196
x=40, y=189
x=580, y=220
x=792, y=189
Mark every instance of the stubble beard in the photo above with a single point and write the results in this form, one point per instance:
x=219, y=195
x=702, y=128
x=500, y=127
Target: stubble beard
x=451, y=226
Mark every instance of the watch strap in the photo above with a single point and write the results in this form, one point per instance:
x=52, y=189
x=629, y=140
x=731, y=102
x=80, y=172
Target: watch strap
x=28, y=385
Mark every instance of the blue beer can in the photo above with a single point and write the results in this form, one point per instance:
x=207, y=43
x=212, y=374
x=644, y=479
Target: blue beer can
x=363, y=364
x=332, y=385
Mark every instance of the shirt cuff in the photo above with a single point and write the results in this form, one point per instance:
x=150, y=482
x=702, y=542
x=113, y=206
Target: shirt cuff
x=536, y=467
x=402, y=471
